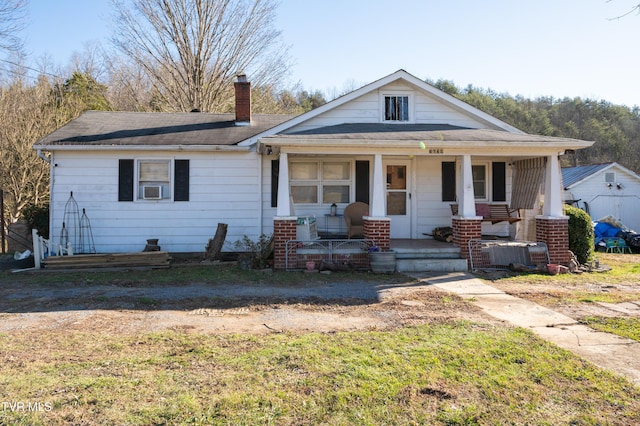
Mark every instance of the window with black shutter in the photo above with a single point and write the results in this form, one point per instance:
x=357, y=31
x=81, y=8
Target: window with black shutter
x=181, y=182
x=275, y=177
x=499, y=186
x=153, y=180
x=125, y=180
x=448, y=181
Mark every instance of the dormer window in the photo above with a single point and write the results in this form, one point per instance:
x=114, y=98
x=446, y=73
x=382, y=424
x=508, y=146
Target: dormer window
x=396, y=108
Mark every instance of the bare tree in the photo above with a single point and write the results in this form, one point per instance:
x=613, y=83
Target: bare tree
x=191, y=50
x=23, y=175
x=129, y=87
x=11, y=23
x=28, y=112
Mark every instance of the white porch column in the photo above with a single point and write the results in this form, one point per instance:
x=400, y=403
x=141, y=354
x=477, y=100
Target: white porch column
x=466, y=196
x=378, y=205
x=552, y=189
x=284, y=196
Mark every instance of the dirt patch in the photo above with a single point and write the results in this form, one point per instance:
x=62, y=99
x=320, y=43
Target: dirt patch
x=227, y=309
x=133, y=306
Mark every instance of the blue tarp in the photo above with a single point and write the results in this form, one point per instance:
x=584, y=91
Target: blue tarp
x=605, y=230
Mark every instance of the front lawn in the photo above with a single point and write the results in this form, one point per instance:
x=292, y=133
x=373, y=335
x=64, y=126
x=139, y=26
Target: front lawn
x=458, y=373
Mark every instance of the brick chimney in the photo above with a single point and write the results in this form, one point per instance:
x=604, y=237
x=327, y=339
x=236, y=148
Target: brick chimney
x=243, y=101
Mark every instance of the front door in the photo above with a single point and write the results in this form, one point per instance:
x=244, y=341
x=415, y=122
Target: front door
x=398, y=197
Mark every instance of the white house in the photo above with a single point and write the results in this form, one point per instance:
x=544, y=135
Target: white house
x=400, y=145
x=602, y=190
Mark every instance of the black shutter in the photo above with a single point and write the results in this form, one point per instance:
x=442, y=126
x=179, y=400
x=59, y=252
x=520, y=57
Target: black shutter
x=448, y=181
x=181, y=181
x=125, y=180
x=499, y=181
x=275, y=178
x=362, y=181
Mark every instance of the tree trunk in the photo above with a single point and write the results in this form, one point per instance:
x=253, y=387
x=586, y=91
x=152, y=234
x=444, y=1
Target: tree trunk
x=214, y=247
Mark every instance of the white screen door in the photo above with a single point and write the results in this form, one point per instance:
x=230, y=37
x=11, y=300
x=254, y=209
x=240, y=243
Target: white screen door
x=398, y=197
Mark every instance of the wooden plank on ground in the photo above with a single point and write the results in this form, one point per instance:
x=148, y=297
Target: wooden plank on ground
x=83, y=261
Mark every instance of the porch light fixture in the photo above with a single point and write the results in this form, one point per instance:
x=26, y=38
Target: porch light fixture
x=609, y=185
x=619, y=185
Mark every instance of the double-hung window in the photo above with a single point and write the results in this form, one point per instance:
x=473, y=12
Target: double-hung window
x=320, y=182
x=154, y=178
x=479, y=174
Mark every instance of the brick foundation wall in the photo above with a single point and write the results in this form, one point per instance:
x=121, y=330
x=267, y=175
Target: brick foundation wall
x=554, y=231
x=284, y=229
x=378, y=231
x=465, y=230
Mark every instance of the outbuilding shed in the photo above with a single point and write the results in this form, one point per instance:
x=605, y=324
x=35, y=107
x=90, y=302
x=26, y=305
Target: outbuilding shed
x=602, y=190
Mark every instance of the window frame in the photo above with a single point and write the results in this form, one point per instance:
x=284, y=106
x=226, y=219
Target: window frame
x=320, y=182
x=139, y=183
x=487, y=180
x=397, y=94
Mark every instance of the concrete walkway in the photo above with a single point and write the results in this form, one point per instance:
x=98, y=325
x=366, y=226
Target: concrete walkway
x=607, y=351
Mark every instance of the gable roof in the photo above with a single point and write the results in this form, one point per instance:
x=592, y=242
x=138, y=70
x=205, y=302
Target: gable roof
x=134, y=129
x=571, y=176
x=403, y=75
x=101, y=130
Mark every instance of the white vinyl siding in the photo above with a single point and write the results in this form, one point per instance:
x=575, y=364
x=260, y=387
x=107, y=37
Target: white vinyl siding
x=224, y=188
x=368, y=108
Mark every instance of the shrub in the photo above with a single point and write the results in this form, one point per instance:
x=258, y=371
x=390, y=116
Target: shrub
x=581, y=236
x=255, y=254
x=37, y=217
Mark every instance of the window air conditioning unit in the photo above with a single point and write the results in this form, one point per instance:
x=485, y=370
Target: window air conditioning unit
x=152, y=192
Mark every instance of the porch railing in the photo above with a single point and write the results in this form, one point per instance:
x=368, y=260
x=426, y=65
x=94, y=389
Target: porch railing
x=328, y=254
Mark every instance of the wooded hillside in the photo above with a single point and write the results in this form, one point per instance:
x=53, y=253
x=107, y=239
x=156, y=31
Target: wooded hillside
x=614, y=128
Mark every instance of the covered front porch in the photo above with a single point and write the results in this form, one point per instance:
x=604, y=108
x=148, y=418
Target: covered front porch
x=413, y=174
x=406, y=230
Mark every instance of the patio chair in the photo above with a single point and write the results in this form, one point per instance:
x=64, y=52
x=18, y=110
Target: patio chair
x=617, y=245
x=353, y=214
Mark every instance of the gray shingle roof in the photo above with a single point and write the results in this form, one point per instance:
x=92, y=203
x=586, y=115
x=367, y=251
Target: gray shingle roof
x=158, y=129
x=418, y=132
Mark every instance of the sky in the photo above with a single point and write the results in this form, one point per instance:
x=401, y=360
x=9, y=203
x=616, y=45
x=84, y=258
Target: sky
x=532, y=48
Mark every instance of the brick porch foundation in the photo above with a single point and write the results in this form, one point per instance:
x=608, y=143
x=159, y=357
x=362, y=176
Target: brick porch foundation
x=378, y=230
x=284, y=229
x=465, y=229
x=554, y=231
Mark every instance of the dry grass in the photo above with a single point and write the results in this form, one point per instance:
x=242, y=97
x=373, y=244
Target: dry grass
x=449, y=374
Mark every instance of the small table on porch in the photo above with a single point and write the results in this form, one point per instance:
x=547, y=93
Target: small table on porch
x=331, y=228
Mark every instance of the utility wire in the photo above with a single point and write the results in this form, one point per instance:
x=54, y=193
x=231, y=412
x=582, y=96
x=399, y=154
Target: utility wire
x=29, y=68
